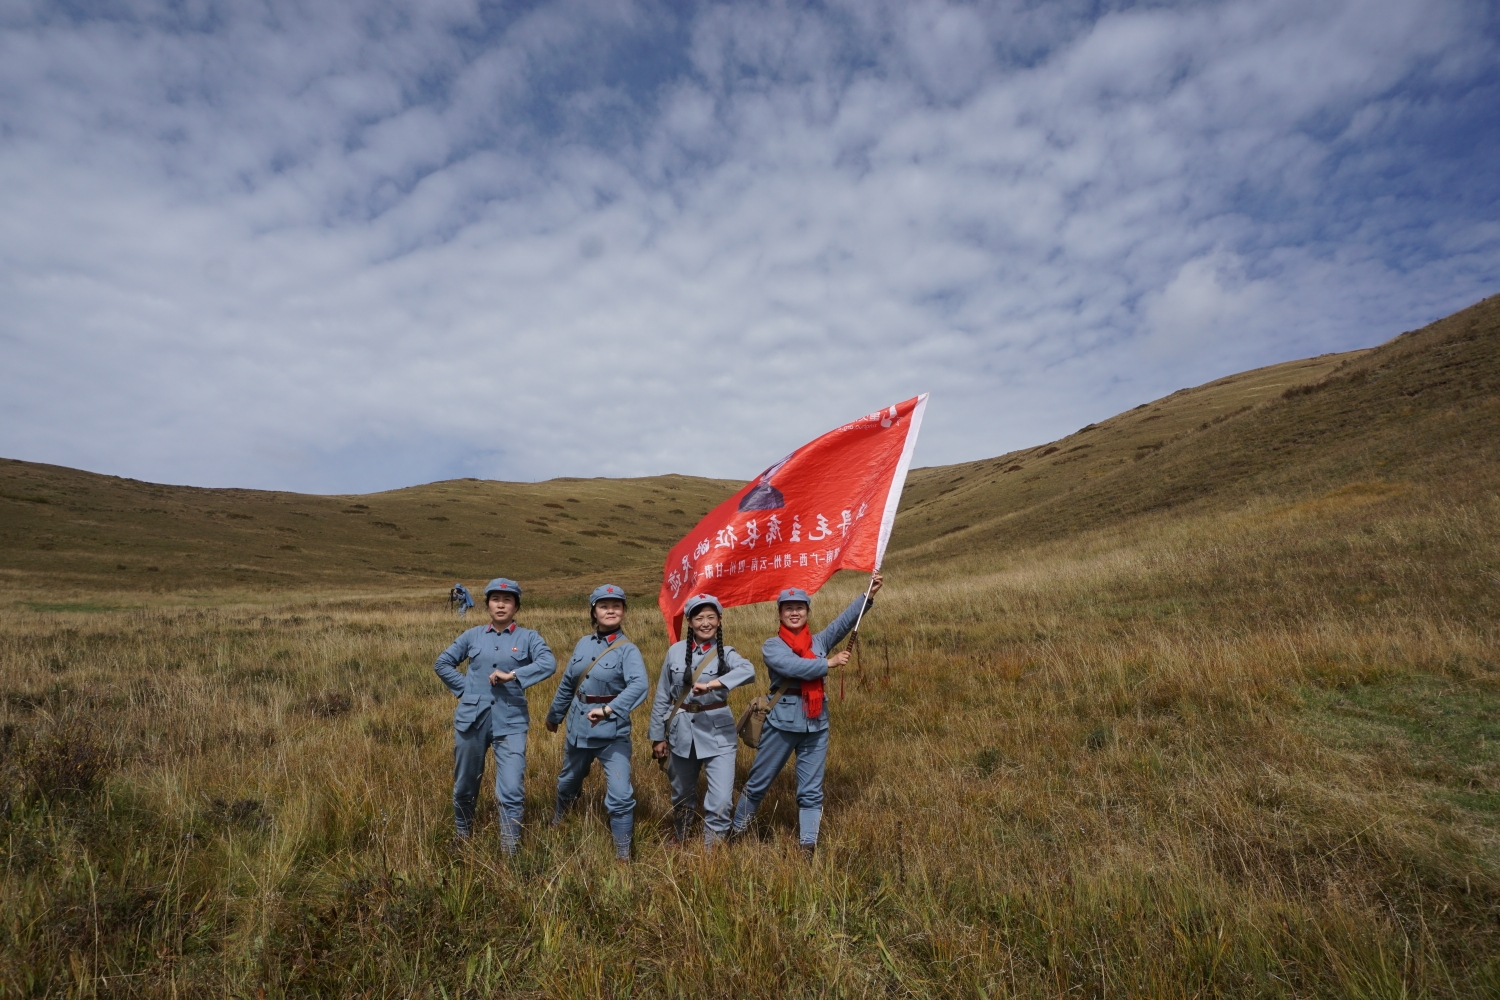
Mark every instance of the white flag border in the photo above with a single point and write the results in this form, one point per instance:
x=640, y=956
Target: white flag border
x=898, y=480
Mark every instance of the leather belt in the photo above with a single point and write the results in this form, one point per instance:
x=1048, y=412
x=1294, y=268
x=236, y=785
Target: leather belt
x=695, y=709
x=598, y=699
x=795, y=692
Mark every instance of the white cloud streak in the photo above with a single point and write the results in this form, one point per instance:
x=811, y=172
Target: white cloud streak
x=317, y=249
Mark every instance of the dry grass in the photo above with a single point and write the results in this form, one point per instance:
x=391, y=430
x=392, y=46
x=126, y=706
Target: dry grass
x=1218, y=719
x=67, y=529
x=1162, y=760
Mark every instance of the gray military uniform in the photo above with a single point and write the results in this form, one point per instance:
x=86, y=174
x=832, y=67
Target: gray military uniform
x=618, y=683
x=701, y=735
x=789, y=731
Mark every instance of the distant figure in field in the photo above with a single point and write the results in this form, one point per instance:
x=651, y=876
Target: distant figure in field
x=691, y=725
x=504, y=660
x=602, y=684
x=459, y=599
x=798, y=661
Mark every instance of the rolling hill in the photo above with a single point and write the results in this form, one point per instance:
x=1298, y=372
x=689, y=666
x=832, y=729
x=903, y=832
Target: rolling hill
x=1419, y=410
x=69, y=529
x=1418, y=407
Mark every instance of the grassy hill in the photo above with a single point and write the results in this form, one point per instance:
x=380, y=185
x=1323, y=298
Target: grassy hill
x=1401, y=412
x=1014, y=498
x=1201, y=701
x=64, y=529
x=1419, y=409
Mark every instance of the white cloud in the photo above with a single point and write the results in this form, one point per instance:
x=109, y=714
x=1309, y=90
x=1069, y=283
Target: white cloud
x=356, y=251
x=1208, y=297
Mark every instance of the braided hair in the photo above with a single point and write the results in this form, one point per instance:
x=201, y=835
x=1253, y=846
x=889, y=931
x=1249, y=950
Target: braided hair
x=719, y=638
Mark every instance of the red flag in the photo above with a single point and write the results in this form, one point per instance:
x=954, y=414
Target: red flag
x=827, y=506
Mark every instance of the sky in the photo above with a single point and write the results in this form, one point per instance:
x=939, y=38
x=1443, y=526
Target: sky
x=344, y=247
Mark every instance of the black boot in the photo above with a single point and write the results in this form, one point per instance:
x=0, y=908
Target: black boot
x=682, y=822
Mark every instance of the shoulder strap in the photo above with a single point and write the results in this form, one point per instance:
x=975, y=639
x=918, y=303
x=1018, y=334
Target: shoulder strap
x=578, y=688
x=774, y=695
x=688, y=693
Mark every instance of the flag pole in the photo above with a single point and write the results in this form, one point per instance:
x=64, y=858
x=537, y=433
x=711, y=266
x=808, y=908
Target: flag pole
x=854, y=635
x=859, y=661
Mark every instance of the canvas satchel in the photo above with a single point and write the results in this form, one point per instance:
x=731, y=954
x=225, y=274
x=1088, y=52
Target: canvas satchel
x=754, y=717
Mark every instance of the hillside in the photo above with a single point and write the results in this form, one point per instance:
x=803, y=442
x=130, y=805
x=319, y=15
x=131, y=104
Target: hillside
x=982, y=498
x=63, y=528
x=1422, y=409
x=68, y=529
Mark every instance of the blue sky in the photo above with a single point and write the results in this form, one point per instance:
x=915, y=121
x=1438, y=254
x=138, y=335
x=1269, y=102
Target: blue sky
x=337, y=248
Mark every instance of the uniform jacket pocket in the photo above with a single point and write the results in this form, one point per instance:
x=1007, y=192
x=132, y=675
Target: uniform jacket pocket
x=788, y=710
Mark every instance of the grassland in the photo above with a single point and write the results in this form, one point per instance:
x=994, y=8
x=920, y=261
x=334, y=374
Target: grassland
x=74, y=530
x=1215, y=717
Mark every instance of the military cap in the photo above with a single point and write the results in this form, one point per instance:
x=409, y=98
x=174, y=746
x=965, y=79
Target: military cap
x=699, y=600
x=793, y=594
x=500, y=585
x=606, y=592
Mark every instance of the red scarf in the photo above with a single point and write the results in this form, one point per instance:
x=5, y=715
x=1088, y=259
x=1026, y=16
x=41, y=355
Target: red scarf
x=800, y=642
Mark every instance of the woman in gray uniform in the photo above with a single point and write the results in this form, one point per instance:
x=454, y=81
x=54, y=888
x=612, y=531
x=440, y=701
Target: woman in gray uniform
x=798, y=660
x=691, y=725
x=504, y=660
x=604, y=682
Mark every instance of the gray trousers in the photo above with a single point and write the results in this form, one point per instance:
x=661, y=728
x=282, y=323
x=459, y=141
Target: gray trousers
x=716, y=804
x=619, y=793
x=776, y=746
x=510, y=773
